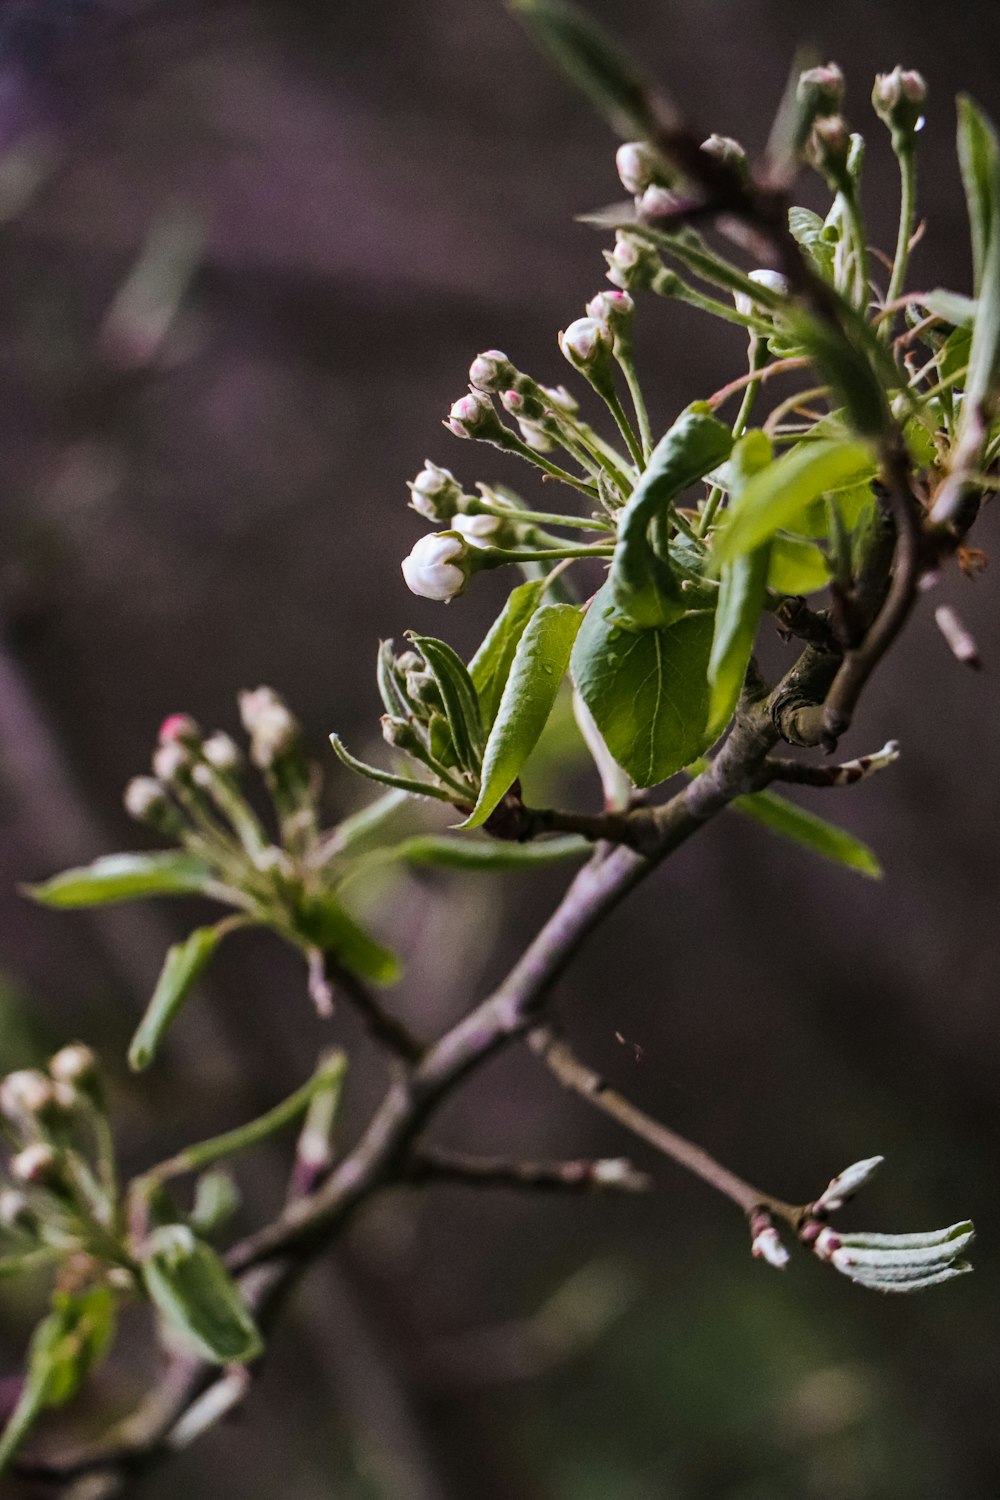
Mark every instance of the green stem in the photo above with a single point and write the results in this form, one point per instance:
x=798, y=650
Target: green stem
x=514, y=444
x=908, y=197
x=862, y=290
x=551, y=518
x=612, y=402
x=627, y=363
x=758, y=359
x=499, y=556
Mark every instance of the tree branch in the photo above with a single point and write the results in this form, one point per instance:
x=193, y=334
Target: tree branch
x=433, y=1164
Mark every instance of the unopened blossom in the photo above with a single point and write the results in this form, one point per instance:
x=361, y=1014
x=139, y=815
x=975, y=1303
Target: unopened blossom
x=437, y=566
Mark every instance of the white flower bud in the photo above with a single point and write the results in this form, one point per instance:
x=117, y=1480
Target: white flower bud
x=435, y=494
x=535, y=437
x=15, y=1212
x=145, y=798
x=657, y=203
x=478, y=531
x=491, y=371
x=473, y=416
x=586, y=343
x=75, y=1065
x=726, y=150
x=273, y=730
x=437, y=566
x=637, y=166
x=170, y=761
x=773, y=280
x=614, y=309
x=561, y=399
x=38, y=1165
x=767, y=1246
x=25, y=1095
x=222, y=752
x=632, y=264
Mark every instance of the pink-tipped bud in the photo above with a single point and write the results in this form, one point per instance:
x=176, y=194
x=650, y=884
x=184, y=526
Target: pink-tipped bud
x=491, y=371
x=614, y=309
x=898, y=98
x=825, y=1243
x=179, y=729
x=632, y=264
x=726, y=150
x=822, y=88
x=273, y=730
x=637, y=166
x=438, y=567
x=586, y=343
x=829, y=148
x=435, y=494
x=474, y=416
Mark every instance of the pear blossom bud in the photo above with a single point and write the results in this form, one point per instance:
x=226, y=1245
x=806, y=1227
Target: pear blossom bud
x=146, y=799
x=438, y=567
x=435, y=494
x=38, y=1165
x=637, y=166
x=657, y=203
x=222, y=753
x=899, y=98
x=632, y=264
x=586, y=343
x=171, y=761
x=830, y=147
x=561, y=399
x=726, y=150
x=772, y=280
x=273, y=730
x=474, y=416
x=491, y=371
x=614, y=309
x=400, y=734
x=180, y=729
x=535, y=437
x=25, y=1096
x=767, y=1246
x=75, y=1065
x=822, y=89
x=15, y=1211
x=478, y=531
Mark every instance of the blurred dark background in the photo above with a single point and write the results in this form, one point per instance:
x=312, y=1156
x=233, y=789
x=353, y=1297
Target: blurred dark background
x=204, y=490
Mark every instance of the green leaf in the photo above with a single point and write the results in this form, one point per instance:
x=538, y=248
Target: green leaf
x=955, y=309
x=441, y=852
x=808, y=229
x=538, y=668
x=647, y=690
x=64, y=1348
x=590, y=58
x=490, y=667
x=386, y=778
x=776, y=497
x=325, y=923
x=461, y=701
x=825, y=839
x=796, y=566
x=642, y=584
x=197, y=1299
x=182, y=967
x=124, y=877
x=977, y=149
x=742, y=587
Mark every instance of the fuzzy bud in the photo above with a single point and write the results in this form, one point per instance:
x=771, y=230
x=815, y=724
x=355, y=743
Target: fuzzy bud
x=535, y=437
x=435, y=494
x=899, y=98
x=637, y=166
x=273, y=730
x=821, y=89
x=491, y=371
x=474, y=416
x=25, y=1096
x=38, y=1165
x=222, y=753
x=848, y=1182
x=438, y=567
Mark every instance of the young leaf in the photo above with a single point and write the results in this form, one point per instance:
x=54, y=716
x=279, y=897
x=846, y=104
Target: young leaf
x=490, y=667
x=124, y=877
x=64, y=1348
x=445, y=853
x=980, y=154
x=808, y=228
x=777, y=496
x=952, y=307
x=591, y=59
x=327, y=925
x=538, y=668
x=647, y=690
x=741, y=594
x=977, y=159
x=386, y=778
x=194, y=1294
x=642, y=584
x=181, y=968
x=461, y=702
x=796, y=566
x=804, y=828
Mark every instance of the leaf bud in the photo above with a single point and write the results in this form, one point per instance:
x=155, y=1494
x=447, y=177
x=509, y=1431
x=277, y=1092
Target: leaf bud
x=272, y=728
x=848, y=1182
x=25, y=1096
x=898, y=98
x=491, y=371
x=767, y=1246
x=400, y=734
x=435, y=494
x=474, y=416
x=38, y=1165
x=222, y=753
x=438, y=567
x=637, y=166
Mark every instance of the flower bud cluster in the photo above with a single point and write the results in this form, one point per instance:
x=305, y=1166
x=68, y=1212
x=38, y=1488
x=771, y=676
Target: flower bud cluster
x=633, y=265
x=898, y=98
x=417, y=720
